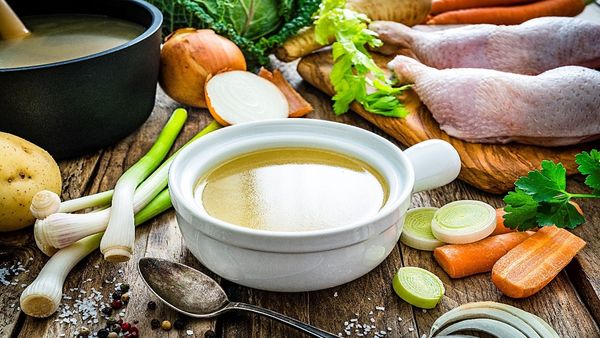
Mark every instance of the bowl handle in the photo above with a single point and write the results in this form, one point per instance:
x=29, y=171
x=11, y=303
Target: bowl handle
x=435, y=162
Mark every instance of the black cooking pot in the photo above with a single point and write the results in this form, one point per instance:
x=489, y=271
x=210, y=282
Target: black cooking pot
x=76, y=106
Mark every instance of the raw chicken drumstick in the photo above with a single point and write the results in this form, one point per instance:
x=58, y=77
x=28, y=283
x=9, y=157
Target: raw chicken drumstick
x=558, y=107
x=531, y=48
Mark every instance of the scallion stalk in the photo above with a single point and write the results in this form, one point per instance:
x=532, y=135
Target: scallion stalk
x=42, y=297
x=118, y=240
x=60, y=230
x=46, y=203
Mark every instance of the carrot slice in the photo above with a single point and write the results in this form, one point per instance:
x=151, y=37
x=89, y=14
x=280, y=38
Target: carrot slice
x=461, y=260
x=531, y=265
x=500, y=227
x=299, y=107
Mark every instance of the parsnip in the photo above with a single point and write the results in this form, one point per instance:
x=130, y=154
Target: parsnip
x=407, y=12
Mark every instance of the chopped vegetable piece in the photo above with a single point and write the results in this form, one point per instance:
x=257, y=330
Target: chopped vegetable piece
x=490, y=326
x=463, y=222
x=511, y=315
x=461, y=260
x=531, y=265
x=418, y=287
x=416, y=232
x=236, y=97
x=298, y=106
x=500, y=228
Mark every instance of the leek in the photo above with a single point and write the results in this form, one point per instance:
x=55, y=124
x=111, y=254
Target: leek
x=46, y=203
x=118, y=240
x=42, y=297
x=60, y=230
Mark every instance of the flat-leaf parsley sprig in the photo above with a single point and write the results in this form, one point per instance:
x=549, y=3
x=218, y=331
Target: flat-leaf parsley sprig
x=541, y=198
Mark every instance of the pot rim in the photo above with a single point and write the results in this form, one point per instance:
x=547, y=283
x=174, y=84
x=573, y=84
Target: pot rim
x=157, y=20
x=344, y=235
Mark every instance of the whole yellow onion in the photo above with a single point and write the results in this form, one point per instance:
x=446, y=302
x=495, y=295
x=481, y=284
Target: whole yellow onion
x=189, y=56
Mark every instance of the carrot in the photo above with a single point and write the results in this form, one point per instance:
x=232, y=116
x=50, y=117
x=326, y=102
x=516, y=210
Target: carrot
x=500, y=227
x=512, y=15
x=441, y=6
x=299, y=107
x=531, y=265
x=461, y=260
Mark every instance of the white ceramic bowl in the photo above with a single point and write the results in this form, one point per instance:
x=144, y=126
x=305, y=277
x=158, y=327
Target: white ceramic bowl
x=309, y=260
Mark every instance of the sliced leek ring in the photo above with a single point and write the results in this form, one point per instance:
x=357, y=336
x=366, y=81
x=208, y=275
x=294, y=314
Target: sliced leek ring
x=416, y=232
x=489, y=326
x=510, y=315
x=463, y=222
x=418, y=287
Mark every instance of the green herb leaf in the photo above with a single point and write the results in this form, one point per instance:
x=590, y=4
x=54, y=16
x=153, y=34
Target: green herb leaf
x=521, y=210
x=562, y=213
x=355, y=74
x=541, y=198
x=546, y=184
x=589, y=164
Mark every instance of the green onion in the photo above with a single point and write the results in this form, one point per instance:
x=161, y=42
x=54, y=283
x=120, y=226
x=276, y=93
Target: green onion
x=42, y=297
x=418, y=287
x=118, y=240
x=46, y=203
x=462, y=222
x=416, y=232
x=60, y=230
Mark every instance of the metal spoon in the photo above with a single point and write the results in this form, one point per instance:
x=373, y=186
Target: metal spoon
x=204, y=298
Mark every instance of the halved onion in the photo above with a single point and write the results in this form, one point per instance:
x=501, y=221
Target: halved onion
x=462, y=222
x=237, y=96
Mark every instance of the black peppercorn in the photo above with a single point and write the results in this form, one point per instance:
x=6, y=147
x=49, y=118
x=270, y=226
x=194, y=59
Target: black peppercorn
x=116, y=295
x=179, y=323
x=124, y=287
x=155, y=324
x=102, y=333
x=107, y=310
x=151, y=305
x=210, y=334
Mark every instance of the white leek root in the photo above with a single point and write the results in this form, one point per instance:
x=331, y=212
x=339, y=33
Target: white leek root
x=46, y=203
x=42, y=297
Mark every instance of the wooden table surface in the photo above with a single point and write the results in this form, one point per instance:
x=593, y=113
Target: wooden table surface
x=570, y=303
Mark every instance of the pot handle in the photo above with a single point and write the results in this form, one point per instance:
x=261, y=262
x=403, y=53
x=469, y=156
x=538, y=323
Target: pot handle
x=435, y=163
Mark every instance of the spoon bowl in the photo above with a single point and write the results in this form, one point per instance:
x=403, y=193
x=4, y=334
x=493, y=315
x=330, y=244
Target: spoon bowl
x=204, y=297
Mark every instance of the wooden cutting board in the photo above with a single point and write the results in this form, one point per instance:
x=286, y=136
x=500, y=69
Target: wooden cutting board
x=489, y=167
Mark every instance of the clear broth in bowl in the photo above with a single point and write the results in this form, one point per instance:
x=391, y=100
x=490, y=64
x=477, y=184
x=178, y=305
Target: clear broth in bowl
x=292, y=189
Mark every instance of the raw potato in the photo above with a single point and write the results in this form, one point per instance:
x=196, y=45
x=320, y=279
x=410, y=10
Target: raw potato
x=25, y=169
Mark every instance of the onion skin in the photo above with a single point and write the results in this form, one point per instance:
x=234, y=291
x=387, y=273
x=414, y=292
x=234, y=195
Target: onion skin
x=189, y=56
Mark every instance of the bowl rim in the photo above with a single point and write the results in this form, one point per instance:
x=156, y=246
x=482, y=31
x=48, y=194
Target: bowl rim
x=390, y=207
x=157, y=20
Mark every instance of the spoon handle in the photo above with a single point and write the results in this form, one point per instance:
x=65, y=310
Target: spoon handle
x=311, y=330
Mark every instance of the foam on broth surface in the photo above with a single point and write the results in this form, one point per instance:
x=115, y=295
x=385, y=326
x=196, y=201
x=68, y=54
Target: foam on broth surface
x=292, y=189
x=64, y=37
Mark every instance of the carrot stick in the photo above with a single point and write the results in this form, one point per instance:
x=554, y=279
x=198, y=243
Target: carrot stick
x=299, y=107
x=461, y=260
x=512, y=15
x=441, y=6
x=500, y=228
x=531, y=265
